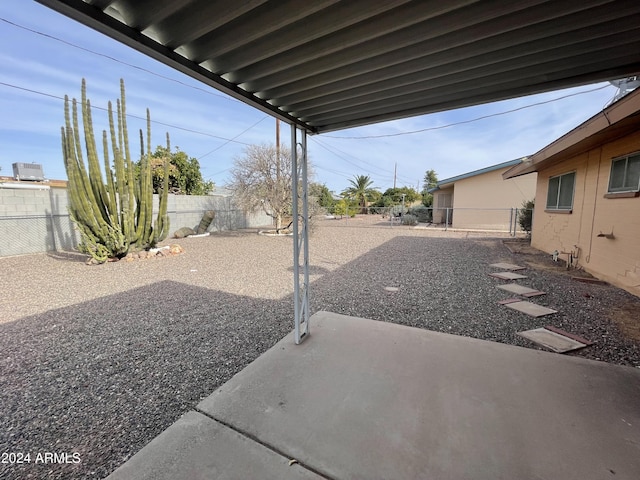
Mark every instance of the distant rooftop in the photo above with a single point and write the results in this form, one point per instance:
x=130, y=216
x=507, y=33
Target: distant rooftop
x=50, y=183
x=451, y=180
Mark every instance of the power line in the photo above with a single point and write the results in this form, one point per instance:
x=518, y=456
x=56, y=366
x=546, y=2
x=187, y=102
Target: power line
x=221, y=171
x=232, y=139
x=209, y=92
x=326, y=147
x=349, y=176
x=440, y=127
x=130, y=115
x=335, y=172
x=388, y=176
x=46, y=35
x=346, y=175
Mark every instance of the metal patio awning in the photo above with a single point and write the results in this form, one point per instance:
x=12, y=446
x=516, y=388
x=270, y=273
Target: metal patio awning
x=328, y=64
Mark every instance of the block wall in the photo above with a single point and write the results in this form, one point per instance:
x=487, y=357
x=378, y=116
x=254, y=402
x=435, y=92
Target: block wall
x=37, y=220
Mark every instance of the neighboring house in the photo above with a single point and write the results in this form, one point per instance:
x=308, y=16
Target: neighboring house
x=481, y=199
x=588, y=204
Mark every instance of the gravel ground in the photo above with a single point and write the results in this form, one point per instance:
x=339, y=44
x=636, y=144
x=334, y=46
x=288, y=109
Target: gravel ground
x=99, y=360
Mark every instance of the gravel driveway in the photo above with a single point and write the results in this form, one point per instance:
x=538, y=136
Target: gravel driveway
x=99, y=360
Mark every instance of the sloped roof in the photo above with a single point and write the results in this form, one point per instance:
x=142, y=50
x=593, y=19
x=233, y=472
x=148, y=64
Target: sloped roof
x=451, y=180
x=328, y=64
x=615, y=121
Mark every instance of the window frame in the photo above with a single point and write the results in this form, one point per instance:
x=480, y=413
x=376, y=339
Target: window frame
x=623, y=191
x=556, y=208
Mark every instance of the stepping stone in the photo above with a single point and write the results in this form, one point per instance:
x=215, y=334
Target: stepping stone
x=507, y=266
x=537, y=293
x=531, y=309
x=577, y=338
x=509, y=300
x=552, y=340
x=520, y=289
x=507, y=275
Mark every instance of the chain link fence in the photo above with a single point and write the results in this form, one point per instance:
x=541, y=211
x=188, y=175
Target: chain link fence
x=27, y=234
x=36, y=233
x=502, y=220
x=34, y=219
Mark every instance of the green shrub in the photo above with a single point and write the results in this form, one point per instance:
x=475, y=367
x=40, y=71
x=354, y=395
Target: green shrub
x=409, y=219
x=525, y=216
x=340, y=208
x=422, y=213
x=396, y=210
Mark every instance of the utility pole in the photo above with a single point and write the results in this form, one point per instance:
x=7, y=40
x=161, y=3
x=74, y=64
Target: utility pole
x=395, y=171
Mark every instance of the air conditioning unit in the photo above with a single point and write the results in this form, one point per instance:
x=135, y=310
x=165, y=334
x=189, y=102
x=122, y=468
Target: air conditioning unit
x=28, y=171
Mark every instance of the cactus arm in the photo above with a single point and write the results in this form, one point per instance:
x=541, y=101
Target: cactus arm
x=95, y=174
x=162, y=221
x=123, y=133
x=111, y=191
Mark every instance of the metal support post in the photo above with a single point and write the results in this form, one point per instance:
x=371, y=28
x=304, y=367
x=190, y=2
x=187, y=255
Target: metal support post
x=446, y=222
x=300, y=237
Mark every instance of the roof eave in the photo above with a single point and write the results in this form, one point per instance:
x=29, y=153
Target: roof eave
x=448, y=182
x=577, y=139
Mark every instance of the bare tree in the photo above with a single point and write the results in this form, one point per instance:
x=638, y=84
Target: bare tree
x=261, y=178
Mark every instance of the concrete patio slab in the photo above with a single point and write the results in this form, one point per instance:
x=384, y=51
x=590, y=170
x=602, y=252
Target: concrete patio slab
x=518, y=289
x=552, y=340
x=199, y=448
x=531, y=309
x=507, y=266
x=362, y=399
x=507, y=275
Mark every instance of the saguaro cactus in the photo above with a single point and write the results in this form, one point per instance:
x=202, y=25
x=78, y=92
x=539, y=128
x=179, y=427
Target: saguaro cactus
x=113, y=214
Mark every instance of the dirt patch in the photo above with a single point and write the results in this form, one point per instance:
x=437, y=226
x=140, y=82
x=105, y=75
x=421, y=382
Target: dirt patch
x=488, y=243
x=523, y=247
x=627, y=318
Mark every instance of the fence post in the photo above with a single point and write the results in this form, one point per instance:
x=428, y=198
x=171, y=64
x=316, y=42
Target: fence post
x=446, y=222
x=510, y=221
x=52, y=220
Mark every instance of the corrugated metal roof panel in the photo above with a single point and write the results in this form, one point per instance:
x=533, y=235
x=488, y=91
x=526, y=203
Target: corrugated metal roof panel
x=331, y=64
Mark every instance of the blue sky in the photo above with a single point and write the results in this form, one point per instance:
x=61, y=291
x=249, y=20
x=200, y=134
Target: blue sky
x=38, y=69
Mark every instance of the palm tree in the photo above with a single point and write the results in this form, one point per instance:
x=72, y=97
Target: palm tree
x=360, y=190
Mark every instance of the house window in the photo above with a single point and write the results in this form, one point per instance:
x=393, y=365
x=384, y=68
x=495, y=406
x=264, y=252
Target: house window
x=625, y=174
x=560, y=193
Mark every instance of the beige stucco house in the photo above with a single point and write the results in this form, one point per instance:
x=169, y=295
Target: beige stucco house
x=482, y=199
x=588, y=203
